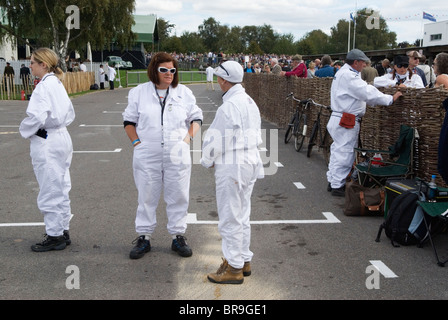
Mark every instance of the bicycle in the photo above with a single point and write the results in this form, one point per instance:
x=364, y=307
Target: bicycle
x=298, y=125
x=322, y=140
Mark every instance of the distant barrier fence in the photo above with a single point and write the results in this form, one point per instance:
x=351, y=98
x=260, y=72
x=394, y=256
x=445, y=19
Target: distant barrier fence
x=418, y=108
x=74, y=82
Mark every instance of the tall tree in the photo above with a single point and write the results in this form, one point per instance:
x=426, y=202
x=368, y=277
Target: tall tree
x=208, y=31
x=68, y=25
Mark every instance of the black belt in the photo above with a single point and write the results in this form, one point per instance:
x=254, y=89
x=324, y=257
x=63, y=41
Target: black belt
x=339, y=115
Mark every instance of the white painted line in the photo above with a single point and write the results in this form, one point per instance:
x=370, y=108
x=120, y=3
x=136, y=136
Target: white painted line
x=26, y=224
x=383, y=269
x=299, y=185
x=329, y=218
x=5, y=126
x=100, y=125
x=278, y=164
x=115, y=151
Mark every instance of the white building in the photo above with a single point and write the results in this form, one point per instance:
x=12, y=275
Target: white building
x=436, y=34
x=8, y=49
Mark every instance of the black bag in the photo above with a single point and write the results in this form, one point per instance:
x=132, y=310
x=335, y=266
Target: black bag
x=94, y=87
x=404, y=222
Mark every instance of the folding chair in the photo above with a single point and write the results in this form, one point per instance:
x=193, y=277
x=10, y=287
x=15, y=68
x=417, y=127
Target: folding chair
x=435, y=210
x=402, y=151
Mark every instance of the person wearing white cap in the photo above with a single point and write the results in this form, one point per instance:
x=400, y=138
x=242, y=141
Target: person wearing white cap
x=231, y=147
x=349, y=95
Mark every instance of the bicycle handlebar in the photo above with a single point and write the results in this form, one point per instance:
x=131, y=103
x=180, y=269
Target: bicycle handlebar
x=307, y=101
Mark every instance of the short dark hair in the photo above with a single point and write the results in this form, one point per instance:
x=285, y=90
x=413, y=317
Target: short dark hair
x=442, y=63
x=156, y=60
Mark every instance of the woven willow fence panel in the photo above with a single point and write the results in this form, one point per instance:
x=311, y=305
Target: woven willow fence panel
x=418, y=108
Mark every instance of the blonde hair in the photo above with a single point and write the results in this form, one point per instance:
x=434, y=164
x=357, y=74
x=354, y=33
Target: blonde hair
x=50, y=58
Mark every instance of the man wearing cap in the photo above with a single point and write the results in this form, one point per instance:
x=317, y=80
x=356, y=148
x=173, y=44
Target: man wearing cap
x=349, y=95
x=231, y=147
x=298, y=68
x=414, y=60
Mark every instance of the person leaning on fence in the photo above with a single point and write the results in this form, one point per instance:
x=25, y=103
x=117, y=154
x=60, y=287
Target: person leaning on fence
x=401, y=77
x=50, y=111
x=441, y=69
x=349, y=95
x=298, y=68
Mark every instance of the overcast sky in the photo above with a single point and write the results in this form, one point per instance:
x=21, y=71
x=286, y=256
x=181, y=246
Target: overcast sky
x=292, y=16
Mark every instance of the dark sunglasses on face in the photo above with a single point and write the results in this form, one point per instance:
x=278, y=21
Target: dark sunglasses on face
x=402, y=66
x=165, y=70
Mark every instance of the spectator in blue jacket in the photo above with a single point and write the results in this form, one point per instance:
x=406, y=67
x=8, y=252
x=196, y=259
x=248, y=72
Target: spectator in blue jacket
x=326, y=70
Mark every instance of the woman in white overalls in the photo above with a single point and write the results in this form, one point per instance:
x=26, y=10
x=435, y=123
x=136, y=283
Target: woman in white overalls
x=160, y=120
x=50, y=111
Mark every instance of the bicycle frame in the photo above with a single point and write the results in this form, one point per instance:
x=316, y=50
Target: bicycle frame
x=316, y=134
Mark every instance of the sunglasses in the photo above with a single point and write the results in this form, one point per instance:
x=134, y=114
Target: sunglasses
x=165, y=70
x=224, y=69
x=402, y=66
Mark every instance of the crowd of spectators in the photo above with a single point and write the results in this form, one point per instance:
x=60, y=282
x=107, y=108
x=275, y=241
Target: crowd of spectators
x=293, y=65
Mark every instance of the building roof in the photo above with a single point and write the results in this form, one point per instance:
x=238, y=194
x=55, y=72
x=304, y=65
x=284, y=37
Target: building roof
x=145, y=27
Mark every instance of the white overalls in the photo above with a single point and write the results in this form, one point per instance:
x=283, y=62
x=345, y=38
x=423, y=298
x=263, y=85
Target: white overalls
x=231, y=144
x=162, y=160
x=51, y=109
x=349, y=93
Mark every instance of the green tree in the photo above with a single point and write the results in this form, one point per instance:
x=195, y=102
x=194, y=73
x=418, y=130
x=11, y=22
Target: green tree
x=164, y=28
x=371, y=34
x=68, y=25
x=208, y=31
x=192, y=42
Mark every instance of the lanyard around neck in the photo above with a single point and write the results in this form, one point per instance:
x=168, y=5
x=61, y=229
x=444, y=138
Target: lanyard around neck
x=162, y=102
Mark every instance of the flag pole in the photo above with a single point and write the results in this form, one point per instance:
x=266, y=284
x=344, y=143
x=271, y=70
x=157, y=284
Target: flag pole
x=349, y=27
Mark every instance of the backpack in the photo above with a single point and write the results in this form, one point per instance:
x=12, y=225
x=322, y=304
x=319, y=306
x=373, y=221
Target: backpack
x=404, y=222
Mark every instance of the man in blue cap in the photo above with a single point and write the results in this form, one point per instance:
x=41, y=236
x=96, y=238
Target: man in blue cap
x=349, y=96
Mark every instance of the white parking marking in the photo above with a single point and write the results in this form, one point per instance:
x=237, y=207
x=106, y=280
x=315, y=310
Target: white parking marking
x=383, y=269
x=329, y=218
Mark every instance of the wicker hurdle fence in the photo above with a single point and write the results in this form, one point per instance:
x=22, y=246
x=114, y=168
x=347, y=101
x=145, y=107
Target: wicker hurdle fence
x=74, y=82
x=418, y=108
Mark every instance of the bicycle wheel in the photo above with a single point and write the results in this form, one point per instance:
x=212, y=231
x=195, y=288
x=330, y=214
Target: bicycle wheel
x=289, y=129
x=299, y=132
x=313, y=138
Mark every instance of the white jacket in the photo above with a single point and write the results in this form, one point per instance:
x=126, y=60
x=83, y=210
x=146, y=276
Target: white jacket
x=49, y=108
x=235, y=134
x=144, y=109
x=349, y=93
x=387, y=81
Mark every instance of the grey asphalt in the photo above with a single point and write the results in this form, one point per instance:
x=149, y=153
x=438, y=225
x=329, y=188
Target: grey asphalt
x=299, y=253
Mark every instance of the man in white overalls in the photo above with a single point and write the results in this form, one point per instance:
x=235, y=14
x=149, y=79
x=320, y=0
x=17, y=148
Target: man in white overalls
x=349, y=95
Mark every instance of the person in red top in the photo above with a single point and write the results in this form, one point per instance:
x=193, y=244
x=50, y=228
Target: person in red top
x=298, y=68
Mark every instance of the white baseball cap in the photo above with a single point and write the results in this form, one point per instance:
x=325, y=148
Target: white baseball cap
x=231, y=71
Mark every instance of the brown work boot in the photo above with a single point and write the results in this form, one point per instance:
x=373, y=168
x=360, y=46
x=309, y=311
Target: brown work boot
x=246, y=269
x=227, y=274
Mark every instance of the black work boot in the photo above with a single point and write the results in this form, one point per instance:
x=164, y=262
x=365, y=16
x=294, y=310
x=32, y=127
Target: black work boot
x=181, y=247
x=142, y=246
x=50, y=243
x=67, y=238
